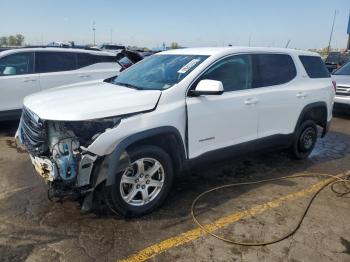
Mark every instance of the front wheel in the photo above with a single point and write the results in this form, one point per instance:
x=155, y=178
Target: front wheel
x=144, y=185
x=304, y=140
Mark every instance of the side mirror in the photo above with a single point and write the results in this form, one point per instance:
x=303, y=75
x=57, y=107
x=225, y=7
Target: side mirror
x=208, y=87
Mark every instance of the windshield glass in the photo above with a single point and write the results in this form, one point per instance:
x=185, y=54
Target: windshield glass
x=344, y=70
x=159, y=71
x=333, y=57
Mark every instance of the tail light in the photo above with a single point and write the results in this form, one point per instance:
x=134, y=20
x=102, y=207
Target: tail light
x=334, y=85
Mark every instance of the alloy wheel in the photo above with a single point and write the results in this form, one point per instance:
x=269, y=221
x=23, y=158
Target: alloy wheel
x=142, y=181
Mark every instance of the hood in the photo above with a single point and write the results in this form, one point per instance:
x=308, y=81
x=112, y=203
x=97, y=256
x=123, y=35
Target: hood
x=91, y=100
x=342, y=80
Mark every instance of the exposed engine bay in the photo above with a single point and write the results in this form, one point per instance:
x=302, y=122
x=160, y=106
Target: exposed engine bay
x=58, y=151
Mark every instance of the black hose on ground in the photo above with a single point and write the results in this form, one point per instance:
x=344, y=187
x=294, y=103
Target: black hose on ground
x=343, y=179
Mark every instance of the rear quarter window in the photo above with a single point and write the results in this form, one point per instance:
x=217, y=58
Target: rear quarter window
x=272, y=69
x=314, y=66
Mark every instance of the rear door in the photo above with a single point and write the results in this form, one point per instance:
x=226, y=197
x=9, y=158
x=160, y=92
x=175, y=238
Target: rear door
x=17, y=80
x=281, y=95
x=219, y=121
x=57, y=68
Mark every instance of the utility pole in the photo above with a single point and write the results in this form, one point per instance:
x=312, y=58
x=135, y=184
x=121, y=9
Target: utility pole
x=94, y=29
x=330, y=37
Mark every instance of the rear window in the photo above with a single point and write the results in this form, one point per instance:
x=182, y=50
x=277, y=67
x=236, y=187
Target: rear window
x=314, y=66
x=55, y=61
x=272, y=69
x=89, y=59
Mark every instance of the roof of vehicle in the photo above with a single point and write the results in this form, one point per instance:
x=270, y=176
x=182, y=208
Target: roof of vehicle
x=235, y=49
x=54, y=49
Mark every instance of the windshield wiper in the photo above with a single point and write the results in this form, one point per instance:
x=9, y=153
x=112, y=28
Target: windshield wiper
x=129, y=85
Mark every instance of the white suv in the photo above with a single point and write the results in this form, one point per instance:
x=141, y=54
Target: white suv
x=131, y=136
x=28, y=70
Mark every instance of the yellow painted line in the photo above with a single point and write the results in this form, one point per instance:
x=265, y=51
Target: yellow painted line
x=196, y=233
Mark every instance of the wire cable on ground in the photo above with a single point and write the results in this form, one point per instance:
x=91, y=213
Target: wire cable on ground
x=343, y=179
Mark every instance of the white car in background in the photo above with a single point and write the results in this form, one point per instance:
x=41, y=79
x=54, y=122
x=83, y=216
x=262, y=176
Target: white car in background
x=342, y=79
x=112, y=48
x=29, y=70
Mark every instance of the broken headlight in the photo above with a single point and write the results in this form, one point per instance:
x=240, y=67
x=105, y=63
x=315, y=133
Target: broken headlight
x=87, y=131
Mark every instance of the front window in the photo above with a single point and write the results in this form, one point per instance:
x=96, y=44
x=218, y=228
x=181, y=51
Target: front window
x=17, y=64
x=235, y=73
x=159, y=72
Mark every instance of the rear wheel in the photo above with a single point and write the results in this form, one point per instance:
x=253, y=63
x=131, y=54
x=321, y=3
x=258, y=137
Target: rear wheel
x=304, y=140
x=144, y=185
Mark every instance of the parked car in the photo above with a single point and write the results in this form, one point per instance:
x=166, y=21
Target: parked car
x=335, y=60
x=342, y=78
x=28, y=70
x=128, y=58
x=115, y=49
x=129, y=138
x=60, y=44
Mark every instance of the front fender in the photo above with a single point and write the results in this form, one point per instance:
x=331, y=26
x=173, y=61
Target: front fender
x=118, y=160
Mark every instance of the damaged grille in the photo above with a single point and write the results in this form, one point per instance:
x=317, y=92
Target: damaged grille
x=33, y=132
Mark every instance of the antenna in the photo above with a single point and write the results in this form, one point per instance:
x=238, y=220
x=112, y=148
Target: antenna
x=330, y=37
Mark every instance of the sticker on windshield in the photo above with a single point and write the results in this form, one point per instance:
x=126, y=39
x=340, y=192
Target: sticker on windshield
x=188, y=66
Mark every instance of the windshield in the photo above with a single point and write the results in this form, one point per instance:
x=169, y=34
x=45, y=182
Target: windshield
x=333, y=57
x=159, y=71
x=344, y=70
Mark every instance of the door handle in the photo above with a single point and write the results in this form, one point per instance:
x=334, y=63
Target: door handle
x=84, y=76
x=251, y=101
x=301, y=95
x=26, y=80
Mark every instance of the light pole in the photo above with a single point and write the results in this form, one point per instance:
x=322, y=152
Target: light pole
x=94, y=29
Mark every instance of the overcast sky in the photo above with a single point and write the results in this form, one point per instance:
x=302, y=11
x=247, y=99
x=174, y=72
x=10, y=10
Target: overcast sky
x=307, y=23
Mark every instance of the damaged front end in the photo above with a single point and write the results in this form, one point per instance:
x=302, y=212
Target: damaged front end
x=58, y=151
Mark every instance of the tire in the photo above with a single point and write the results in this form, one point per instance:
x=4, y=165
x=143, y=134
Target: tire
x=304, y=140
x=128, y=197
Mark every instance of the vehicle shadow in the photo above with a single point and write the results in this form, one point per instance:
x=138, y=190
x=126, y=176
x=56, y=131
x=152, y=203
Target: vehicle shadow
x=342, y=113
x=249, y=169
x=188, y=186
x=8, y=128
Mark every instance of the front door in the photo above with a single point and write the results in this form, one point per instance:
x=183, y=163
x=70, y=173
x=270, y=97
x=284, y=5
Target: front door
x=219, y=121
x=17, y=80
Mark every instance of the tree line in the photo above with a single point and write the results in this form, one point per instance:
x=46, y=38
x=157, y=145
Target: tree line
x=12, y=40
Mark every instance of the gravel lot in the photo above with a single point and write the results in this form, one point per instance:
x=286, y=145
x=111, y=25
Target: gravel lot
x=34, y=229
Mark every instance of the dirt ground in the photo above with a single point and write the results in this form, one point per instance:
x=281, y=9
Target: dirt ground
x=34, y=229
